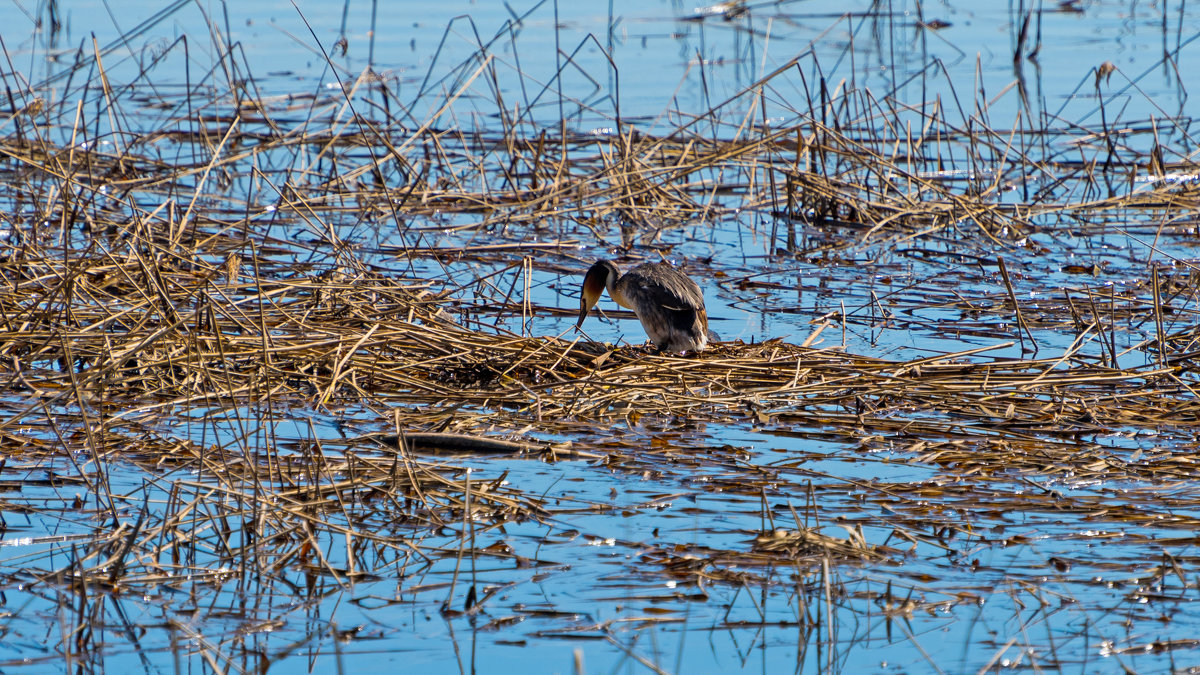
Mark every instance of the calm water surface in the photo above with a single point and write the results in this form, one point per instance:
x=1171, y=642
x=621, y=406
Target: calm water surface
x=600, y=590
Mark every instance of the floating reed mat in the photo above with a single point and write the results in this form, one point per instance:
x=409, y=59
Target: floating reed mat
x=138, y=336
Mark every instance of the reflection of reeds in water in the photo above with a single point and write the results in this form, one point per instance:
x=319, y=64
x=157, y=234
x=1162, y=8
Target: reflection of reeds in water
x=149, y=296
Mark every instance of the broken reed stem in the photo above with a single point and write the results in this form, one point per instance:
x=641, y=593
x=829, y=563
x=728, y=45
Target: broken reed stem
x=1159, y=334
x=1012, y=296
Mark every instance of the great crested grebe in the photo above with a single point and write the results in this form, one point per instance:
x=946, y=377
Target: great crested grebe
x=668, y=303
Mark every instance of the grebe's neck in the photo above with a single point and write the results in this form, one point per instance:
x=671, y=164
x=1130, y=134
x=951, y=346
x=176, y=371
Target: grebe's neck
x=615, y=288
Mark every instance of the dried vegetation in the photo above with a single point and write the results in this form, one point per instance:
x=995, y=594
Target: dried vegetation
x=173, y=287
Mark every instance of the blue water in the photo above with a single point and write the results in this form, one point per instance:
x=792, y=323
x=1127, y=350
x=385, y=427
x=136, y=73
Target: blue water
x=1016, y=571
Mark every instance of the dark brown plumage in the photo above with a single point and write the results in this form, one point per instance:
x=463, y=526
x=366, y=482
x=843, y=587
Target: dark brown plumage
x=668, y=303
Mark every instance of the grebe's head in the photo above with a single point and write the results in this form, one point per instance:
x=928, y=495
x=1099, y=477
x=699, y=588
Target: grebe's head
x=601, y=275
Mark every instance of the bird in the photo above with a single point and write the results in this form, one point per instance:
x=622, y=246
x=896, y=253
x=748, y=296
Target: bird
x=668, y=303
